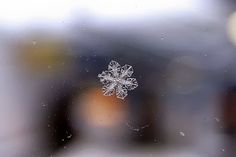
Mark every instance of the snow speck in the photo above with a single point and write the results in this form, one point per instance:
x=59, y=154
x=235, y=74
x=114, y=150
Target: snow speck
x=43, y=104
x=182, y=134
x=136, y=129
x=217, y=119
x=34, y=43
x=69, y=136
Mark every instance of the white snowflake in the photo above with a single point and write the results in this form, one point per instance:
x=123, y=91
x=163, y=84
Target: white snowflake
x=117, y=80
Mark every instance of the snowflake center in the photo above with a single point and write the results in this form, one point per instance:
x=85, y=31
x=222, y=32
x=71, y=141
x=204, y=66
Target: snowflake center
x=119, y=80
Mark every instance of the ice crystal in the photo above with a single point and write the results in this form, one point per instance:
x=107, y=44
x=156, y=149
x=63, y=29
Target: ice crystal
x=117, y=80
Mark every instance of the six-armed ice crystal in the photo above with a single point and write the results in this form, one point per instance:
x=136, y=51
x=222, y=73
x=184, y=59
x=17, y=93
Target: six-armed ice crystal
x=117, y=80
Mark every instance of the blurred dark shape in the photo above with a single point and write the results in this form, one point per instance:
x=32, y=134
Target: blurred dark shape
x=229, y=120
x=146, y=117
x=229, y=112
x=58, y=125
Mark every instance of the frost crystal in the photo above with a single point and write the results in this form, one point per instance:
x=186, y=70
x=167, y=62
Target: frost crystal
x=117, y=80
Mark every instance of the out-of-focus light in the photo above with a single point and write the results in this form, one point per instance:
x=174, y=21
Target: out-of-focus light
x=43, y=55
x=231, y=28
x=100, y=111
x=136, y=7
x=21, y=12
x=18, y=12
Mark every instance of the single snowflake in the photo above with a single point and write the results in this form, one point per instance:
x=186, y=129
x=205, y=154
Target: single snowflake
x=117, y=80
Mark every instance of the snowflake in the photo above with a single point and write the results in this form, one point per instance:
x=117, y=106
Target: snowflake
x=117, y=80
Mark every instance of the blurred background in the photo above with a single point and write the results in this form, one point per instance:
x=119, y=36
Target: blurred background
x=184, y=57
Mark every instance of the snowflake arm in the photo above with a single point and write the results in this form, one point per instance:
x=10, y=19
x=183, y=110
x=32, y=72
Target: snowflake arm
x=105, y=77
x=109, y=89
x=126, y=71
x=131, y=83
x=114, y=68
x=121, y=91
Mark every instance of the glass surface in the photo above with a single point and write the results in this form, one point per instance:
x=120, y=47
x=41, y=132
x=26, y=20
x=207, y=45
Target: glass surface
x=118, y=78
